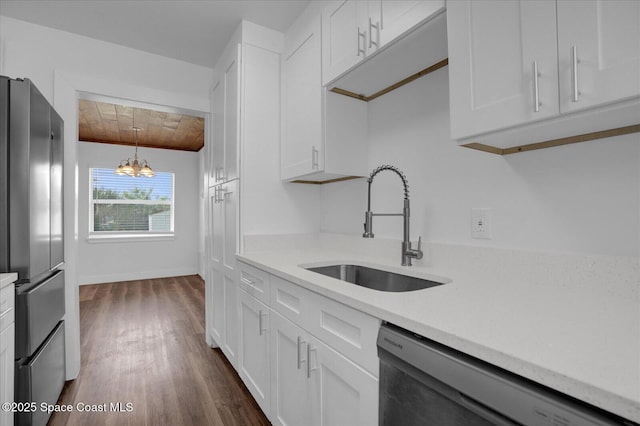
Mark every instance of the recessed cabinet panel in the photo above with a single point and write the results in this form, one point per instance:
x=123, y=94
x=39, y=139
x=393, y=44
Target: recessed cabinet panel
x=494, y=48
x=230, y=346
x=290, y=300
x=228, y=200
x=216, y=149
x=254, y=281
x=216, y=225
x=217, y=305
x=599, y=51
x=302, y=101
x=290, y=390
x=231, y=118
x=342, y=392
x=254, y=347
x=344, y=37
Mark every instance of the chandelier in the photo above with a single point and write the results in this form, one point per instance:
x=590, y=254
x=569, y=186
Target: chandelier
x=134, y=168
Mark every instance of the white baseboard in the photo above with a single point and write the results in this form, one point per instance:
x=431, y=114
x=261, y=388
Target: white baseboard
x=140, y=275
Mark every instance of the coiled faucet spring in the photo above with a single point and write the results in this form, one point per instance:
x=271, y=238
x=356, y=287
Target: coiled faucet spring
x=407, y=252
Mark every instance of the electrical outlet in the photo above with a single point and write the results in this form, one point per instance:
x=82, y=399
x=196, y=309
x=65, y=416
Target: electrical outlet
x=481, y=223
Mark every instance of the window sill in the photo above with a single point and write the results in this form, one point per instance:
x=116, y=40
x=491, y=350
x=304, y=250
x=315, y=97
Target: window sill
x=129, y=238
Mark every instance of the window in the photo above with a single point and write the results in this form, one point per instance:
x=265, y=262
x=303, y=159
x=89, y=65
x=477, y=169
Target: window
x=125, y=205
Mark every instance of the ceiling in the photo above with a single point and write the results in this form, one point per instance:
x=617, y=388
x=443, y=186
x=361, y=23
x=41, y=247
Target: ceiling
x=110, y=123
x=191, y=31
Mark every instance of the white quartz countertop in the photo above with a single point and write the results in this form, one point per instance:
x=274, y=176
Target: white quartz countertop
x=569, y=322
x=6, y=279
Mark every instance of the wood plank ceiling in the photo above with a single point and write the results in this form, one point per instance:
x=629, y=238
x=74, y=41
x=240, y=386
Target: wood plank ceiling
x=109, y=123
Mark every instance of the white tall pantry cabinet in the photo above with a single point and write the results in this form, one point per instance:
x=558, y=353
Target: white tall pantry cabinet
x=237, y=98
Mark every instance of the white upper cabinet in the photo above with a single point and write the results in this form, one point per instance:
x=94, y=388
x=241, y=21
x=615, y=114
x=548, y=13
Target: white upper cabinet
x=494, y=48
x=353, y=30
x=301, y=100
x=599, y=52
x=323, y=134
x=223, y=160
x=520, y=70
x=344, y=36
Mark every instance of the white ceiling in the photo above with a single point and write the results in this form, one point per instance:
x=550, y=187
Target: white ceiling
x=192, y=31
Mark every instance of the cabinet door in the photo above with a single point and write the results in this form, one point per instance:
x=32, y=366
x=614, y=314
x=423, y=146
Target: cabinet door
x=301, y=147
x=216, y=297
x=230, y=339
x=231, y=116
x=342, y=392
x=344, y=37
x=228, y=201
x=398, y=16
x=216, y=150
x=290, y=390
x=254, y=349
x=494, y=46
x=7, y=372
x=605, y=36
x=215, y=226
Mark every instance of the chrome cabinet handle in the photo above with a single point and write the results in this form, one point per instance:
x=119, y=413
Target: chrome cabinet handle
x=260, y=329
x=309, y=369
x=300, y=360
x=314, y=158
x=364, y=36
x=536, y=92
x=574, y=74
x=377, y=27
x=219, y=175
x=219, y=194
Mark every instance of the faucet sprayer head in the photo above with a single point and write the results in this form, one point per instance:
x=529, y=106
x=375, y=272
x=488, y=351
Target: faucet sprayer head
x=393, y=169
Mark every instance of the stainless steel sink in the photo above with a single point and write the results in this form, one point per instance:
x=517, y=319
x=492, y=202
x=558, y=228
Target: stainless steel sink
x=374, y=278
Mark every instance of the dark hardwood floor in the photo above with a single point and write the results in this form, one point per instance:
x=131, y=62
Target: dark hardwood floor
x=143, y=343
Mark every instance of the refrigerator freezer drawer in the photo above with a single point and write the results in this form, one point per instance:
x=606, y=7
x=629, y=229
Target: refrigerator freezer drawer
x=42, y=378
x=39, y=307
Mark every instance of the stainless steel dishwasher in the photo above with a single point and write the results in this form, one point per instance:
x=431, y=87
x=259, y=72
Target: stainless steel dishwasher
x=425, y=383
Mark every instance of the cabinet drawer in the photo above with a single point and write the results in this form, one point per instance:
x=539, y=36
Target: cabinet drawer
x=349, y=331
x=254, y=281
x=7, y=306
x=291, y=300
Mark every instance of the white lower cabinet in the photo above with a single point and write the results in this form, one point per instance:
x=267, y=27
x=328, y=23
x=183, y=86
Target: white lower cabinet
x=313, y=384
x=290, y=389
x=254, y=348
x=299, y=372
x=343, y=393
x=222, y=318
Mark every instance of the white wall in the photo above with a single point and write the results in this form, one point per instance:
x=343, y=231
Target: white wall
x=61, y=64
x=270, y=206
x=100, y=262
x=582, y=198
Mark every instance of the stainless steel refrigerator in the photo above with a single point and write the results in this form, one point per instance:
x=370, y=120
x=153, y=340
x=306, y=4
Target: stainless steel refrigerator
x=31, y=240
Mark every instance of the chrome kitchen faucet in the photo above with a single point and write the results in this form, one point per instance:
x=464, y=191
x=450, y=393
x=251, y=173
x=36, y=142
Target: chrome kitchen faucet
x=407, y=252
